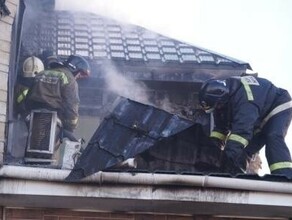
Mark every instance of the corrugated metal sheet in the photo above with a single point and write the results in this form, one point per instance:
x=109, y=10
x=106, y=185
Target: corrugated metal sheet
x=157, y=139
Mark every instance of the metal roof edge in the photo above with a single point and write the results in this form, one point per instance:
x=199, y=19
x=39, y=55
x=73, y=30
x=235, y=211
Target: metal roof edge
x=223, y=56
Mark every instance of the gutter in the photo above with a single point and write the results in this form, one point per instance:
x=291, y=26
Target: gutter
x=56, y=175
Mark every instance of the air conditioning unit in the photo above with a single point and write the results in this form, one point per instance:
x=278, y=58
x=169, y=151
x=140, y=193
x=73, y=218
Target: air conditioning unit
x=43, y=138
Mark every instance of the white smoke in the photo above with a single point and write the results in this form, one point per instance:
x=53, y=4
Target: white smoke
x=164, y=104
x=104, y=8
x=120, y=85
x=126, y=11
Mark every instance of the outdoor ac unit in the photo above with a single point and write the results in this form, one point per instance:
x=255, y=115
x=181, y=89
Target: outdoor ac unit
x=44, y=129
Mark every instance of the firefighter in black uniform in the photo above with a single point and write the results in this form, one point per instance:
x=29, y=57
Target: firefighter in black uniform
x=56, y=89
x=249, y=112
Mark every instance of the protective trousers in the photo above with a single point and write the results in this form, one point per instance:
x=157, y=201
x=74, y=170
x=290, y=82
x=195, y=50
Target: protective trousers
x=272, y=135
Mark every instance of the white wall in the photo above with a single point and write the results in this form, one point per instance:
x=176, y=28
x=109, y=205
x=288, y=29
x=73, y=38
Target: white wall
x=5, y=45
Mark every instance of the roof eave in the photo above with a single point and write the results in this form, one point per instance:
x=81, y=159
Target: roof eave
x=150, y=192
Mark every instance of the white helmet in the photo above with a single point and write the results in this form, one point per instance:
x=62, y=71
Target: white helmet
x=31, y=66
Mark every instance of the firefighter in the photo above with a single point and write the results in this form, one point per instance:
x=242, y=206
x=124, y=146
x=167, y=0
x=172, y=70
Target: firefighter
x=31, y=66
x=249, y=112
x=56, y=89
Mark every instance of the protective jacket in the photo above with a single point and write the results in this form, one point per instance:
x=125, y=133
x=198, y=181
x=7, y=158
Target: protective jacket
x=21, y=90
x=257, y=114
x=56, y=89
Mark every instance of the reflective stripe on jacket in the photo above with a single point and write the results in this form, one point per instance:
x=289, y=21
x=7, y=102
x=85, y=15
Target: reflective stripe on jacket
x=280, y=165
x=252, y=102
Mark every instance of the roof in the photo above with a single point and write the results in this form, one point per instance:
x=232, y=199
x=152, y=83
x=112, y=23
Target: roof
x=97, y=37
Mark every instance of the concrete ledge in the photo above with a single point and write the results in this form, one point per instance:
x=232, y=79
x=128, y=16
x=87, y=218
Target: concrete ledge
x=129, y=198
x=159, y=193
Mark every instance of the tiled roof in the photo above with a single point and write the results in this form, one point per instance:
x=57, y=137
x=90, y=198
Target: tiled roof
x=97, y=37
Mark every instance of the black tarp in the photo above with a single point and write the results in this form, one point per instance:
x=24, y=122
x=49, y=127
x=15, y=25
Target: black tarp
x=150, y=134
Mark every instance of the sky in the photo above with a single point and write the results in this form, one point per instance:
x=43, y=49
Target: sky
x=255, y=31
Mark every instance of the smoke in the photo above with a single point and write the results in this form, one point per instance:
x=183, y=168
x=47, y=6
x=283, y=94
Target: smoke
x=165, y=104
x=142, y=13
x=108, y=8
x=119, y=84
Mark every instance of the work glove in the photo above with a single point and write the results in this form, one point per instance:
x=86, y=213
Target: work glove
x=217, y=143
x=235, y=161
x=254, y=164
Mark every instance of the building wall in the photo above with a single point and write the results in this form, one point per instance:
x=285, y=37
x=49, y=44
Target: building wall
x=61, y=214
x=5, y=45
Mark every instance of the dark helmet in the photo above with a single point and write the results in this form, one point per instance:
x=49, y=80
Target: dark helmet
x=53, y=62
x=77, y=64
x=212, y=93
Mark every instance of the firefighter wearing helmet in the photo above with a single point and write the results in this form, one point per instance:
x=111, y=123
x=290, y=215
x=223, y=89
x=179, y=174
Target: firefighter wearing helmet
x=31, y=66
x=56, y=89
x=249, y=112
